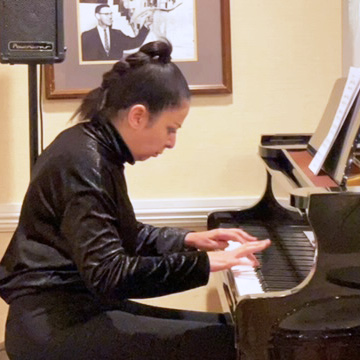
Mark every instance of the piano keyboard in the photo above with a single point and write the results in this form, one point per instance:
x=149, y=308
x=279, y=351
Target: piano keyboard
x=245, y=276
x=284, y=265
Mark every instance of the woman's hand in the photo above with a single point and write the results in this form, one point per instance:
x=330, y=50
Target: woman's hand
x=217, y=239
x=243, y=255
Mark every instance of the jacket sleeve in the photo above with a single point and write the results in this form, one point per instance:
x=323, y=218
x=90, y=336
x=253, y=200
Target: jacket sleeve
x=152, y=240
x=90, y=225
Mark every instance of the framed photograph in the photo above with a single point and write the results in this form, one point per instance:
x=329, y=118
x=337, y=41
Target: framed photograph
x=100, y=32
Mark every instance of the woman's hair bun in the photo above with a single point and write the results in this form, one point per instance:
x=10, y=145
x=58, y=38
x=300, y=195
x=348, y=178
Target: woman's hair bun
x=144, y=77
x=119, y=68
x=158, y=50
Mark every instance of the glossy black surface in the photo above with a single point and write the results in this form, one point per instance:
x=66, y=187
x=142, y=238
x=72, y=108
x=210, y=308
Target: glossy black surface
x=275, y=325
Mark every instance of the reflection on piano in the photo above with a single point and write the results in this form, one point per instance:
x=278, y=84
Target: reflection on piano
x=304, y=300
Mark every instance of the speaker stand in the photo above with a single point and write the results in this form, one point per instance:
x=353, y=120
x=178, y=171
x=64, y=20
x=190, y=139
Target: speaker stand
x=33, y=115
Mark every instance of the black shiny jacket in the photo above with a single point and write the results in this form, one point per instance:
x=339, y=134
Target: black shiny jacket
x=77, y=228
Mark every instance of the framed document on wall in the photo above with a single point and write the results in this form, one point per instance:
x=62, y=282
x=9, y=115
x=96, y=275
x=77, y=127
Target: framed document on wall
x=199, y=31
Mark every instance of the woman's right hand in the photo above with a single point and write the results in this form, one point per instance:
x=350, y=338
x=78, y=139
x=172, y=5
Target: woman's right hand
x=243, y=255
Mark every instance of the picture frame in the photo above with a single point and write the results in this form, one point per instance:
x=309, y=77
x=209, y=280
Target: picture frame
x=210, y=74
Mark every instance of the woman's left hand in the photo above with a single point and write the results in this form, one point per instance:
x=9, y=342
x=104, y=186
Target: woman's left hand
x=216, y=239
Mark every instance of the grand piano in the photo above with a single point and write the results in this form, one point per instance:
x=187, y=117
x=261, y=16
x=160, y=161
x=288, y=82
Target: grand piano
x=304, y=300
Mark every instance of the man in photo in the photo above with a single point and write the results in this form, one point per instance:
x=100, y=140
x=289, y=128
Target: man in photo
x=105, y=43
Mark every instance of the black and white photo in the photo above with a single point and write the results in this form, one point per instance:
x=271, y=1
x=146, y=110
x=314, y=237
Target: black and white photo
x=110, y=29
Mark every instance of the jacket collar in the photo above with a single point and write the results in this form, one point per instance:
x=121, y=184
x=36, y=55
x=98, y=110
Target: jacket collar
x=110, y=139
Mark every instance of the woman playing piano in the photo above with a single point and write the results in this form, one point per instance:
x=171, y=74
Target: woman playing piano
x=78, y=254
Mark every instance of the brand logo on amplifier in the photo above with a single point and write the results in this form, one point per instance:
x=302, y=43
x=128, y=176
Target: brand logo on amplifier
x=31, y=46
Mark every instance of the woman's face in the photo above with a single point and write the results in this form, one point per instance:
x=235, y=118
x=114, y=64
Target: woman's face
x=159, y=133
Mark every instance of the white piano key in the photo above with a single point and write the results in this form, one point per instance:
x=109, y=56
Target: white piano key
x=310, y=235
x=246, y=280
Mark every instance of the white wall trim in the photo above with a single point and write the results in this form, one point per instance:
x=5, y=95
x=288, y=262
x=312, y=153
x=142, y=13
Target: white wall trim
x=188, y=213
x=9, y=216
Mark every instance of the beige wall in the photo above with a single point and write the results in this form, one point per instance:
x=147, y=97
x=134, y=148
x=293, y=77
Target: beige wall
x=4, y=240
x=286, y=57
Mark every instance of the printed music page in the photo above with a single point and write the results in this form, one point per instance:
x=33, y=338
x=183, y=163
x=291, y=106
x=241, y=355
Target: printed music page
x=351, y=89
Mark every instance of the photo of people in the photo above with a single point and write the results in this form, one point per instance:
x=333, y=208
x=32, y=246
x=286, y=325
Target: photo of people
x=110, y=29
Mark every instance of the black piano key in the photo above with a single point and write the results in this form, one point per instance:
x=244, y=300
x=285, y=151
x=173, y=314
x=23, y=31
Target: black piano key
x=289, y=259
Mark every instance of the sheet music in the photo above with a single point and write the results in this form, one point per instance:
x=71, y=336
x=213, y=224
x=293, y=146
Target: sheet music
x=351, y=89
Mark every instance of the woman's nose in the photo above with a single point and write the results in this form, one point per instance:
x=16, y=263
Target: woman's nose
x=171, y=141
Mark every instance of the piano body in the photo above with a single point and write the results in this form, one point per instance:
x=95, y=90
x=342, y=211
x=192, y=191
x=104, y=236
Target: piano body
x=304, y=301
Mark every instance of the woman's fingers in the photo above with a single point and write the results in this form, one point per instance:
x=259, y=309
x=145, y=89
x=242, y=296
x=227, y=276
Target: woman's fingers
x=221, y=260
x=234, y=234
x=248, y=250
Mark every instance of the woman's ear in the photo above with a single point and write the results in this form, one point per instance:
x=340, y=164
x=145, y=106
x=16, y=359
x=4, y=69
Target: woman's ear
x=138, y=117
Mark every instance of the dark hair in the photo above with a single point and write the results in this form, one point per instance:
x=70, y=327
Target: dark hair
x=99, y=7
x=147, y=77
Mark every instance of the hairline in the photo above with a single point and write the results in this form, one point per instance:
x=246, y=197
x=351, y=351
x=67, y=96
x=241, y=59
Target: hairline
x=99, y=7
x=153, y=115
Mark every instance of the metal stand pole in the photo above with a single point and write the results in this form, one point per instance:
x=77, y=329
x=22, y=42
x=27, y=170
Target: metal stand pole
x=33, y=115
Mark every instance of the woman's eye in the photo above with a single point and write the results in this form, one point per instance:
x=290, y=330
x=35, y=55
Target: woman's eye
x=171, y=130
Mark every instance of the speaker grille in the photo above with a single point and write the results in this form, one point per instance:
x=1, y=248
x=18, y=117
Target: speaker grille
x=31, y=31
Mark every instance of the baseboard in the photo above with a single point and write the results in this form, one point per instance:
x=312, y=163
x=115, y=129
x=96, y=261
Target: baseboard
x=187, y=213
x=9, y=217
